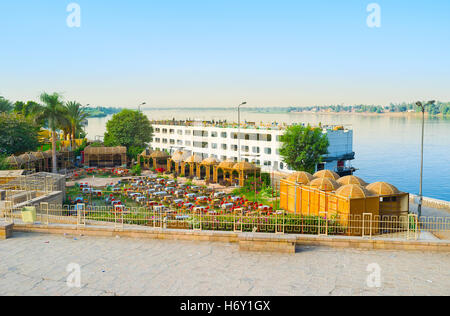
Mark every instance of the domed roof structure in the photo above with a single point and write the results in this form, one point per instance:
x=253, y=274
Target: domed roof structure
x=48, y=153
x=301, y=177
x=159, y=154
x=327, y=174
x=324, y=184
x=244, y=166
x=180, y=156
x=14, y=160
x=354, y=191
x=193, y=159
x=227, y=164
x=351, y=180
x=382, y=188
x=27, y=158
x=211, y=161
x=147, y=152
x=39, y=155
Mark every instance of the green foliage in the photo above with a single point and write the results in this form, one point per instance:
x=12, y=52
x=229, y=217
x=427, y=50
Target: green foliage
x=18, y=134
x=136, y=170
x=76, y=115
x=96, y=144
x=303, y=147
x=439, y=108
x=53, y=111
x=134, y=151
x=129, y=128
x=5, y=105
x=77, y=152
x=3, y=164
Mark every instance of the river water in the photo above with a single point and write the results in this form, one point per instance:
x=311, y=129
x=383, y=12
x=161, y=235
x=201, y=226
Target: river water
x=387, y=147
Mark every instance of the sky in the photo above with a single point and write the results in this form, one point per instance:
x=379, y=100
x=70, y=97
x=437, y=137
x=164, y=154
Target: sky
x=222, y=52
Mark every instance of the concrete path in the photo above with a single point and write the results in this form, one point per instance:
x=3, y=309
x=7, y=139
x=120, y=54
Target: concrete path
x=34, y=264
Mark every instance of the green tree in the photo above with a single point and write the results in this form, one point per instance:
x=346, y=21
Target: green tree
x=55, y=114
x=3, y=164
x=76, y=115
x=303, y=147
x=5, y=105
x=18, y=134
x=129, y=128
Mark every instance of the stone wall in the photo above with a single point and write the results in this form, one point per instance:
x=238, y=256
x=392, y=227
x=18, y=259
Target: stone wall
x=429, y=202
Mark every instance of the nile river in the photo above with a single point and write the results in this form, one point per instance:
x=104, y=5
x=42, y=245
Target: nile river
x=387, y=147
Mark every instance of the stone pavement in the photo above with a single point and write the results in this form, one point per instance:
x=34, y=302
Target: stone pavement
x=35, y=264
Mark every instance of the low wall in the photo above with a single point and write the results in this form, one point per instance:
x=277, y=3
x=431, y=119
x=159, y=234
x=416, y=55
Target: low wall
x=429, y=202
x=247, y=241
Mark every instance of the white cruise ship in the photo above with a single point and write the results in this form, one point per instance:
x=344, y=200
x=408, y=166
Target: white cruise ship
x=259, y=144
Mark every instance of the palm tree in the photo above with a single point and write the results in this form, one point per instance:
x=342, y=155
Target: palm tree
x=76, y=115
x=5, y=105
x=54, y=113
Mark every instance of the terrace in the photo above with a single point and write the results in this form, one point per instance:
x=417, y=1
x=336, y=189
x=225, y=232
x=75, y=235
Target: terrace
x=245, y=125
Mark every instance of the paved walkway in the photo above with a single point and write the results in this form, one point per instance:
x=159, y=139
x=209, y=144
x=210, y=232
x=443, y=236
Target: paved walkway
x=35, y=264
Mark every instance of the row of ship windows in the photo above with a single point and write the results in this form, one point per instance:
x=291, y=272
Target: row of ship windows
x=233, y=135
x=205, y=145
x=266, y=163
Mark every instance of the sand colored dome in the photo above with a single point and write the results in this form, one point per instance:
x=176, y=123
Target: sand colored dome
x=14, y=160
x=39, y=155
x=382, y=188
x=301, y=177
x=211, y=161
x=227, y=164
x=27, y=158
x=159, y=154
x=180, y=156
x=244, y=166
x=147, y=152
x=327, y=174
x=351, y=180
x=324, y=184
x=193, y=159
x=48, y=153
x=354, y=191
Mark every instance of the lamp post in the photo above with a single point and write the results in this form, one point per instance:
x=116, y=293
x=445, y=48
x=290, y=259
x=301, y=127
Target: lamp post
x=143, y=103
x=422, y=107
x=239, y=129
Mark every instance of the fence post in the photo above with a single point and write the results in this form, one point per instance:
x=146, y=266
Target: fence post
x=413, y=220
x=44, y=206
x=364, y=216
x=319, y=226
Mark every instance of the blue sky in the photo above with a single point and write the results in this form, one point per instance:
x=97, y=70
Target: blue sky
x=218, y=53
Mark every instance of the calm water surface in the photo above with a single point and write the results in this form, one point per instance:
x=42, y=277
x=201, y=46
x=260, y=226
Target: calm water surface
x=387, y=147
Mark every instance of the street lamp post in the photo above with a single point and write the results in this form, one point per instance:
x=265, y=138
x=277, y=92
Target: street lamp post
x=143, y=103
x=239, y=129
x=422, y=107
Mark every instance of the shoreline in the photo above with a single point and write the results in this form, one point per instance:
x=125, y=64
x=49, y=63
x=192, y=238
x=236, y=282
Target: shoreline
x=391, y=114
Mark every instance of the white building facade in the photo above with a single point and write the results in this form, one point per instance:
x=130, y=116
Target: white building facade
x=258, y=144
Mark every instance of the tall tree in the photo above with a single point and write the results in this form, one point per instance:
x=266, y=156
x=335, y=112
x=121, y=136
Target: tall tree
x=303, y=147
x=129, y=128
x=54, y=112
x=76, y=115
x=5, y=105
